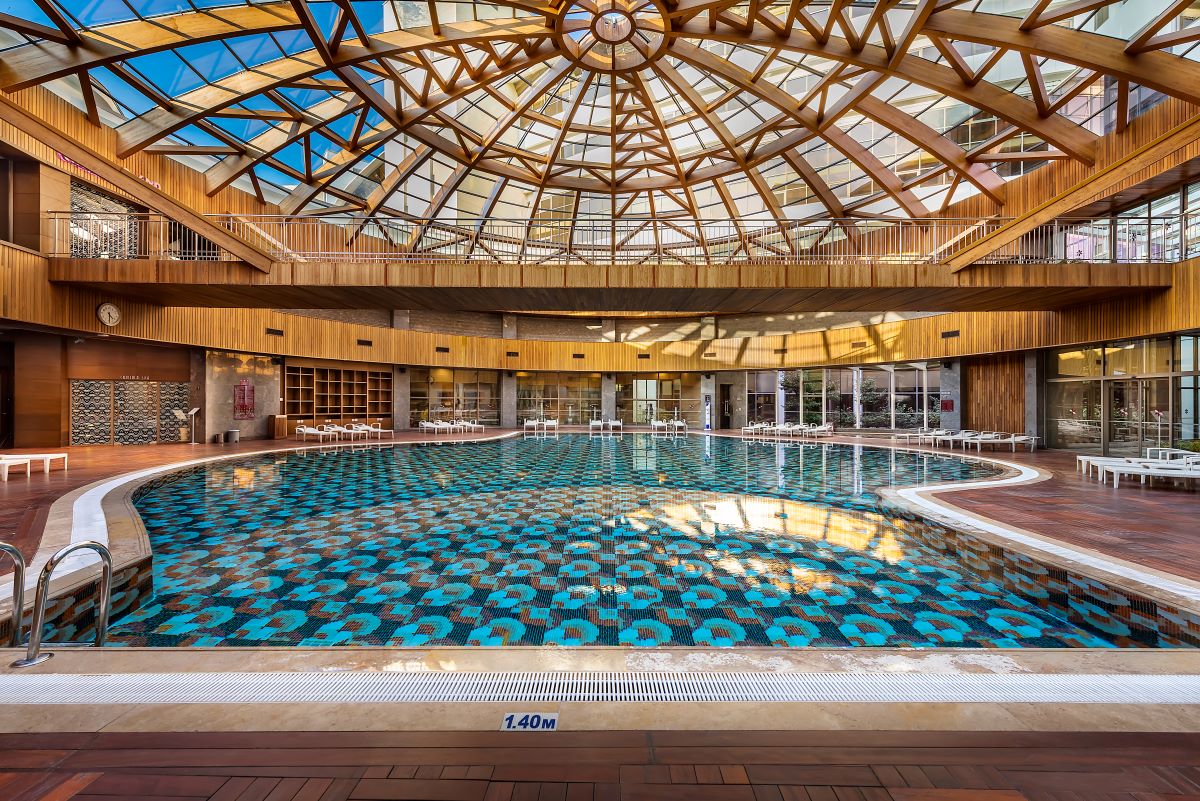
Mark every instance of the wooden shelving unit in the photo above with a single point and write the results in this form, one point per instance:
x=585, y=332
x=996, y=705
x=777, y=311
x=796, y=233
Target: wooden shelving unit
x=321, y=394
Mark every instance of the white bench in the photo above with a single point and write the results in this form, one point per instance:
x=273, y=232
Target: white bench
x=44, y=458
x=9, y=462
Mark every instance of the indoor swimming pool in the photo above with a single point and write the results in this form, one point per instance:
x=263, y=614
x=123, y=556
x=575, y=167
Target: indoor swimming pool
x=574, y=540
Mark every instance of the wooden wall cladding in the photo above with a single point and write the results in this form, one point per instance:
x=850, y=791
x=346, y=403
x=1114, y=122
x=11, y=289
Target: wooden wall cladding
x=993, y=389
x=41, y=400
x=29, y=297
x=101, y=359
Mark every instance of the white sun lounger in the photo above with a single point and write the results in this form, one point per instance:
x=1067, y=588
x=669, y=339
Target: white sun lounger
x=950, y=439
x=304, y=432
x=1150, y=472
x=372, y=430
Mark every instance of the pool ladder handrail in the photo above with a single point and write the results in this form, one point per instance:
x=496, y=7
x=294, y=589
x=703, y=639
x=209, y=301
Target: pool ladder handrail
x=18, y=593
x=33, y=654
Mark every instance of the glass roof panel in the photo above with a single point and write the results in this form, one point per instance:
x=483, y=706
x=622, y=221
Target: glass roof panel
x=822, y=109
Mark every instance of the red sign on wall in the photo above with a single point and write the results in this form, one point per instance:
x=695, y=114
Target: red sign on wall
x=947, y=404
x=243, y=400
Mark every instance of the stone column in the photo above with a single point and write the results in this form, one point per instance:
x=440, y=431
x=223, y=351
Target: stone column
x=508, y=399
x=952, y=390
x=708, y=390
x=401, y=398
x=223, y=372
x=856, y=395
x=198, y=392
x=1035, y=393
x=608, y=396
x=608, y=329
x=780, y=399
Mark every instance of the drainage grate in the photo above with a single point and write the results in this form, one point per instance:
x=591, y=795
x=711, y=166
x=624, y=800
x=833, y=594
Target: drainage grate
x=357, y=687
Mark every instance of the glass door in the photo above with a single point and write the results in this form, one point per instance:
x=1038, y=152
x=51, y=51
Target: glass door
x=1139, y=415
x=1074, y=412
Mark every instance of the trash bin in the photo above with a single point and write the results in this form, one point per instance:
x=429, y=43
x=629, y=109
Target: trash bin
x=233, y=435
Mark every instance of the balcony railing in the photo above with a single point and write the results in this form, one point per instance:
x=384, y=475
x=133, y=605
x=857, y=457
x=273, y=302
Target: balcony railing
x=627, y=241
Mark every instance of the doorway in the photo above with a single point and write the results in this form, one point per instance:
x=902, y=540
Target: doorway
x=1139, y=415
x=724, y=405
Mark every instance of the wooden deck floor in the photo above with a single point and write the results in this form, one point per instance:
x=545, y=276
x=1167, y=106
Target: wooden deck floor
x=599, y=766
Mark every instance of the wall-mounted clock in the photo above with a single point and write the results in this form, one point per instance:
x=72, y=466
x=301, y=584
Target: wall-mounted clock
x=108, y=313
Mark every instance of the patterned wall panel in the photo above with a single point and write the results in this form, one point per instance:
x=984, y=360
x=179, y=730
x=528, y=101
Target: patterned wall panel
x=91, y=412
x=135, y=403
x=172, y=395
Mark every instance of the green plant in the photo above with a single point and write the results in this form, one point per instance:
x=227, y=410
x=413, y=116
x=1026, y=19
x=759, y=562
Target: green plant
x=1189, y=445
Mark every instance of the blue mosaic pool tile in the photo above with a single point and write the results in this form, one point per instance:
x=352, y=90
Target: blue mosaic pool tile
x=582, y=541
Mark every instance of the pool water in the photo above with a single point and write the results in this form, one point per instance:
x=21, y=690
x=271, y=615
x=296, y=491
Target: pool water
x=570, y=541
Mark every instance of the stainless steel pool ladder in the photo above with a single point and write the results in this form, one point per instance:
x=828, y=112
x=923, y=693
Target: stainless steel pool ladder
x=18, y=593
x=33, y=654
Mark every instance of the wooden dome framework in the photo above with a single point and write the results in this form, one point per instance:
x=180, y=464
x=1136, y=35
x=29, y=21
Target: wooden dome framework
x=657, y=65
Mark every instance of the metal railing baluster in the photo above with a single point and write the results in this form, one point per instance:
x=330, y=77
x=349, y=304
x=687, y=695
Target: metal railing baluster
x=626, y=241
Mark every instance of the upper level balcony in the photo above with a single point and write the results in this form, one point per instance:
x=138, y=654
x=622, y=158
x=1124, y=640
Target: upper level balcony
x=626, y=241
x=630, y=264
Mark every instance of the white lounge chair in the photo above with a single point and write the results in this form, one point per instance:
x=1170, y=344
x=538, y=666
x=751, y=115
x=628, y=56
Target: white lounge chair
x=532, y=425
x=953, y=437
x=823, y=430
x=932, y=435
x=595, y=425
x=9, y=462
x=435, y=427
x=346, y=431
x=469, y=425
x=679, y=425
x=982, y=438
x=1102, y=463
x=44, y=458
x=1151, y=472
x=372, y=430
x=304, y=432
x=614, y=425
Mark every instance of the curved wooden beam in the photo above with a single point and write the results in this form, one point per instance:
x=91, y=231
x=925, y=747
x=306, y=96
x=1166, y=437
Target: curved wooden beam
x=39, y=62
x=1070, y=138
x=344, y=160
x=847, y=145
x=1163, y=72
x=236, y=88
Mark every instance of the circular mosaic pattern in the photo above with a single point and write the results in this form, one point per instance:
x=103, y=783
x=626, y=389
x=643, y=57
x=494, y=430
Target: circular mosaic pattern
x=573, y=541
